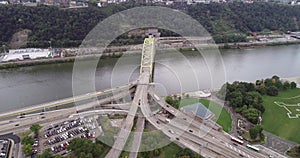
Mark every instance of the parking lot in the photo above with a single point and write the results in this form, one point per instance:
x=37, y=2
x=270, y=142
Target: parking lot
x=58, y=137
x=4, y=147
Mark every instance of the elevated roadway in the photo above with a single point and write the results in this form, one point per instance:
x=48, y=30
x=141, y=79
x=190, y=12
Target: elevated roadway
x=140, y=125
x=199, y=137
x=65, y=101
x=127, y=126
x=49, y=116
x=218, y=139
x=141, y=94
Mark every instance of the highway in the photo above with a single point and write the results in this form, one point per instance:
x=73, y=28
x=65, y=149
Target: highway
x=184, y=129
x=139, y=97
x=66, y=101
x=127, y=126
x=183, y=126
x=140, y=125
x=49, y=116
x=185, y=122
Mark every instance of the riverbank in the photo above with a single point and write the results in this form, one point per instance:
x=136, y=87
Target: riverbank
x=16, y=64
x=116, y=52
x=249, y=45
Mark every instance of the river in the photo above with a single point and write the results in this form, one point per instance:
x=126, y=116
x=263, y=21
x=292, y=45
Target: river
x=37, y=84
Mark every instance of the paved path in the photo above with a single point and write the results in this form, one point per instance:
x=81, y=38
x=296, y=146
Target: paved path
x=278, y=144
x=230, y=111
x=273, y=142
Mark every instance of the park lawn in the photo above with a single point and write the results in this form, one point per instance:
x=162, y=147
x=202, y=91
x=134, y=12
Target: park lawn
x=275, y=118
x=224, y=118
x=170, y=151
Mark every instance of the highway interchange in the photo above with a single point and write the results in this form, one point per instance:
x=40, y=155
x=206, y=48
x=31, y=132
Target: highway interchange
x=202, y=138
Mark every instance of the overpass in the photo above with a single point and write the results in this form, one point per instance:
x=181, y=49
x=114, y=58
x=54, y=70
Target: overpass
x=215, y=141
x=69, y=100
x=140, y=96
x=199, y=137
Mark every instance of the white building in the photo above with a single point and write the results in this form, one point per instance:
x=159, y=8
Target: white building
x=3, y=2
x=29, y=53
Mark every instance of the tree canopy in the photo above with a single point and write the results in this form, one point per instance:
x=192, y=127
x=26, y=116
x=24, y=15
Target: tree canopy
x=35, y=128
x=246, y=98
x=85, y=148
x=229, y=22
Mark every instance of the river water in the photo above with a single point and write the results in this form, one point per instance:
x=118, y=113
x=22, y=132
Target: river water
x=173, y=73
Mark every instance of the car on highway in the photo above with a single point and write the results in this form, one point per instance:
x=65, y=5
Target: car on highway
x=191, y=131
x=171, y=131
x=177, y=138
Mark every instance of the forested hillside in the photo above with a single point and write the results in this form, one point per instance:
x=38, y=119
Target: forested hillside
x=68, y=27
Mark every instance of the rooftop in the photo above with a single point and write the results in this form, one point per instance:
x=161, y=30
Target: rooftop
x=197, y=109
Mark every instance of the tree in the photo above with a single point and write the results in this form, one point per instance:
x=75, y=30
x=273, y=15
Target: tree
x=262, y=89
x=268, y=82
x=47, y=154
x=172, y=102
x=276, y=78
x=235, y=99
x=255, y=131
x=187, y=153
x=28, y=149
x=156, y=152
x=27, y=140
x=272, y=91
x=279, y=85
x=251, y=114
x=259, y=128
x=286, y=85
x=253, y=98
x=293, y=85
x=85, y=148
x=35, y=128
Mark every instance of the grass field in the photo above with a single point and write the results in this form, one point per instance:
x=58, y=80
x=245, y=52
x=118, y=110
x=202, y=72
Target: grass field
x=170, y=151
x=224, y=119
x=275, y=118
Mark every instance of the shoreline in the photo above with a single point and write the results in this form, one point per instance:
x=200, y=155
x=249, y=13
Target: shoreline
x=119, y=52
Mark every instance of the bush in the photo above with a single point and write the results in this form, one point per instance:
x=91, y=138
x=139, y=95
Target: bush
x=272, y=91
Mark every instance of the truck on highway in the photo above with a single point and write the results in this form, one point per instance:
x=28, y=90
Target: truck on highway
x=253, y=148
x=237, y=140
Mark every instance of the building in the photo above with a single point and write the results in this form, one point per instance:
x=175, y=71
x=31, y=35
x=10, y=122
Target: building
x=3, y=2
x=198, y=94
x=197, y=110
x=29, y=53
